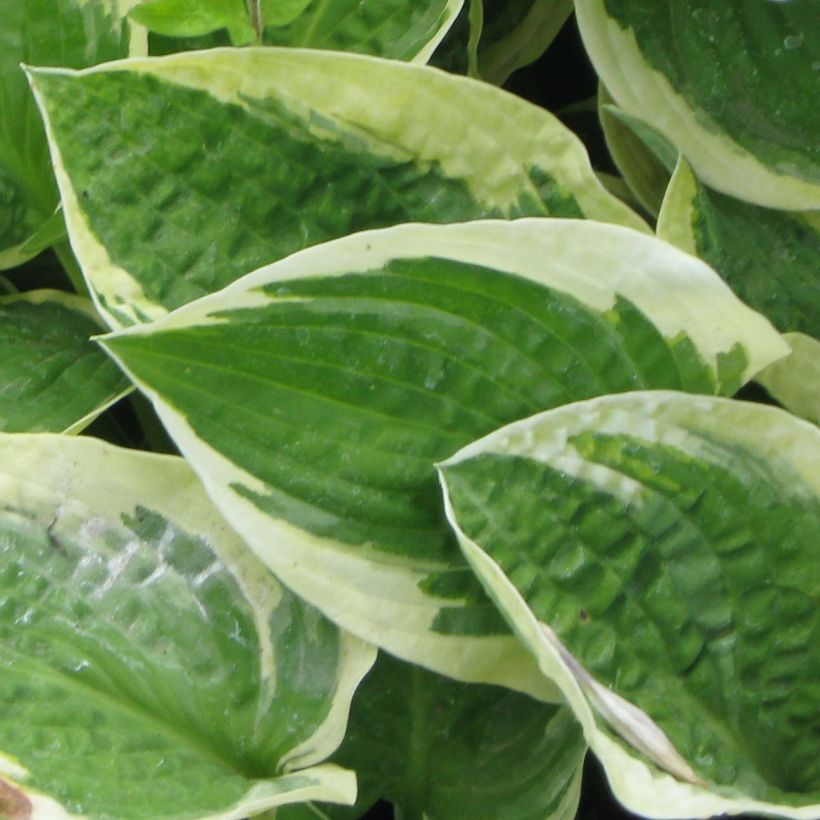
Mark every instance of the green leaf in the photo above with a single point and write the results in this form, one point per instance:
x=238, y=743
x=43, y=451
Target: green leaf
x=52, y=378
x=396, y=29
x=458, y=751
x=52, y=232
x=314, y=396
x=795, y=380
x=220, y=162
x=771, y=259
x=70, y=33
x=191, y=18
x=658, y=553
x=732, y=85
x=512, y=34
x=151, y=667
x=517, y=34
x=645, y=174
x=281, y=12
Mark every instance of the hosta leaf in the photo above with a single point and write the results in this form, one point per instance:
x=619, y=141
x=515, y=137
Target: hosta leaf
x=71, y=33
x=459, y=751
x=398, y=29
x=52, y=378
x=517, y=34
x=190, y=18
x=314, y=396
x=219, y=162
x=771, y=259
x=658, y=553
x=644, y=173
x=795, y=380
x=151, y=666
x=731, y=85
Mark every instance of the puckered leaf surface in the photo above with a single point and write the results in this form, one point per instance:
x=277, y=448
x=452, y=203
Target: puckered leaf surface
x=70, y=33
x=52, y=377
x=732, y=85
x=770, y=259
x=658, y=553
x=458, y=751
x=219, y=162
x=151, y=666
x=314, y=396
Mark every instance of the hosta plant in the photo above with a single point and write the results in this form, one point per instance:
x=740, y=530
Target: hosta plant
x=359, y=445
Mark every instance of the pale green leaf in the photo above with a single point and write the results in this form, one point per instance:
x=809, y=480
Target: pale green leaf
x=445, y=750
x=219, y=162
x=396, y=29
x=658, y=553
x=52, y=377
x=771, y=259
x=280, y=12
x=151, y=666
x=191, y=18
x=795, y=380
x=314, y=396
x=70, y=33
x=732, y=85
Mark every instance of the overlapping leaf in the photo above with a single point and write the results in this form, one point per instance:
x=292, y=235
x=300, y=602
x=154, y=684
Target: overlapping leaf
x=52, y=377
x=71, y=33
x=658, y=552
x=644, y=173
x=444, y=750
x=151, y=666
x=314, y=396
x=795, y=380
x=396, y=29
x=219, y=162
x=771, y=259
x=731, y=85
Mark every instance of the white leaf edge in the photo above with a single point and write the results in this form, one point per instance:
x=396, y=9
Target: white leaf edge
x=640, y=787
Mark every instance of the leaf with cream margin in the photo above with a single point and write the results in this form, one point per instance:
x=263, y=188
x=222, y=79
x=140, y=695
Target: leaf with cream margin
x=70, y=33
x=795, y=380
x=52, y=377
x=445, y=750
x=151, y=666
x=658, y=553
x=314, y=396
x=221, y=161
x=771, y=259
x=732, y=85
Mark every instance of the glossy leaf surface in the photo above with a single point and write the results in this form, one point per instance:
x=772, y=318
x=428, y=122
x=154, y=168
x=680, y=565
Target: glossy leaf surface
x=771, y=259
x=458, y=751
x=151, y=666
x=52, y=377
x=658, y=553
x=731, y=85
x=220, y=162
x=70, y=33
x=314, y=396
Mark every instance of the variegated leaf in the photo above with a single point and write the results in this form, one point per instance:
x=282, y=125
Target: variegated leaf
x=314, y=396
x=151, y=666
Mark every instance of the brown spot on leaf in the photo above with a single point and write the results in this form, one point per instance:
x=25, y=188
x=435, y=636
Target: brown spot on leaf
x=14, y=805
x=584, y=616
